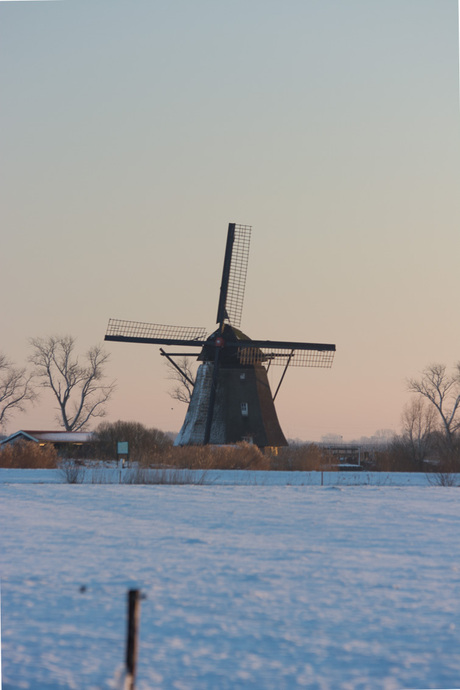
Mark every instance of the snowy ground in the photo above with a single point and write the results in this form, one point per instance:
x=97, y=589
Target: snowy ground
x=256, y=586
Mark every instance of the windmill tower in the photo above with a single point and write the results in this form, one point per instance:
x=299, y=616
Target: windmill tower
x=231, y=399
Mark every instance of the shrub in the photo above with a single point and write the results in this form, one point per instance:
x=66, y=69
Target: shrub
x=303, y=458
x=395, y=458
x=399, y=456
x=442, y=479
x=143, y=442
x=241, y=456
x=72, y=470
x=143, y=475
x=28, y=455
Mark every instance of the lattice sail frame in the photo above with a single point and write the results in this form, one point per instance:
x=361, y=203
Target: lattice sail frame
x=283, y=356
x=137, y=329
x=237, y=275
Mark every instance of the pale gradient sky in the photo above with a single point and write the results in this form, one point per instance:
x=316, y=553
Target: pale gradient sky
x=133, y=132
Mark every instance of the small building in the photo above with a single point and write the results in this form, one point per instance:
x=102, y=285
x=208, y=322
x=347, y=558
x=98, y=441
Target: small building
x=344, y=456
x=63, y=441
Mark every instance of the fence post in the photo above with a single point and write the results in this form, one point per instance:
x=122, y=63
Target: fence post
x=132, y=637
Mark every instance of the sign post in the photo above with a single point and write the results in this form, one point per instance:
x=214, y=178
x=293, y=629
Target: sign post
x=134, y=597
x=122, y=455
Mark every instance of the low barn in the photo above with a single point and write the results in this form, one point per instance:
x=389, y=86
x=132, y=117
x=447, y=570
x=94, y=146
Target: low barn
x=63, y=441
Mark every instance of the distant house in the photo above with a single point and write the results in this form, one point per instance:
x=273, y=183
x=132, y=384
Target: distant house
x=345, y=456
x=61, y=440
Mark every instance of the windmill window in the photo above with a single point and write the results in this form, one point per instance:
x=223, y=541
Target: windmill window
x=244, y=409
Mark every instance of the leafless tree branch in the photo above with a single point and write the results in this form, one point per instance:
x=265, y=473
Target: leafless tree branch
x=79, y=389
x=16, y=389
x=419, y=423
x=442, y=390
x=185, y=381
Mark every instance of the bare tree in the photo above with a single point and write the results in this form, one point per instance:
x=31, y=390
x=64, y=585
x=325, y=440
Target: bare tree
x=184, y=377
x=418, y=426
x=79, y=389
x=16, y=389
x=442, y=390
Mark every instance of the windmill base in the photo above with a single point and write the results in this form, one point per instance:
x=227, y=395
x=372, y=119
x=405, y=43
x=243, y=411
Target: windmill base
x=243, y=410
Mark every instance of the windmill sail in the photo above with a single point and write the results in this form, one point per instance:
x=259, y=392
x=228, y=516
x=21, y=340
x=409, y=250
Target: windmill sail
x=119, y=330
x=285, y=353
x=234, y=273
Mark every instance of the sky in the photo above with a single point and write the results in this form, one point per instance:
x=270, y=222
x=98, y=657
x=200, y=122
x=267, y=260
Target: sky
x=132, y=133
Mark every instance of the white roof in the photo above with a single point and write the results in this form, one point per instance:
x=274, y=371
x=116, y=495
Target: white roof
x=51, y=436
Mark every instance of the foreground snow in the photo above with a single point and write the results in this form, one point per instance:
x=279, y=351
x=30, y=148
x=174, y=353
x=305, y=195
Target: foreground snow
x=351, y=587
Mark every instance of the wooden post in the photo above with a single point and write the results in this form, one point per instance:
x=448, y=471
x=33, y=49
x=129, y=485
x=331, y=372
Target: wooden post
x=132, y=637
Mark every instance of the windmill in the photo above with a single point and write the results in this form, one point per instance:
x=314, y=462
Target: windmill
x=231, y=399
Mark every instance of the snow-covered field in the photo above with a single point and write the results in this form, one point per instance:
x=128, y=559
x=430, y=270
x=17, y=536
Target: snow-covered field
x=247, y=586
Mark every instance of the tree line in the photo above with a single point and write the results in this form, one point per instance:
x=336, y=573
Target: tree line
x=430, y=426
x=430, y=421
x=78, y=383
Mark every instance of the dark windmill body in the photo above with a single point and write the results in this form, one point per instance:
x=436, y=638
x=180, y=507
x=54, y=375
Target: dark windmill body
x=231, y=399
x=243, y=408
